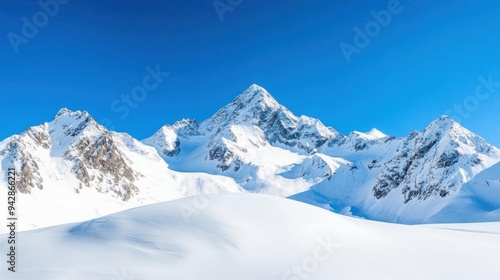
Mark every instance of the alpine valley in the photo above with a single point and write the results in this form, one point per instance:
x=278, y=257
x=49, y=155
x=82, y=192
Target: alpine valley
x=73, y=169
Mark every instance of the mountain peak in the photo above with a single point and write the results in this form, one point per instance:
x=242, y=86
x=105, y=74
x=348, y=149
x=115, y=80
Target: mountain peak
x=256, y=87
x=445, y=119
x=65, y=112
x=376, y=133
x=71, y=123
x=62, y=111
x=444, y=124
x=256, y=95
x=373, y=134
x=254, y=106
x=184, y=123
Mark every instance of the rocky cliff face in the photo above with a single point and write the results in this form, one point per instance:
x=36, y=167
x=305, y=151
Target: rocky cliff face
x=97, y=161
x=86, y=147
x=434, y=163
x=17, y=154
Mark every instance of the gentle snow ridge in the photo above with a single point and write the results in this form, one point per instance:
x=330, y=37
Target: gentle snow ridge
x=243, y=236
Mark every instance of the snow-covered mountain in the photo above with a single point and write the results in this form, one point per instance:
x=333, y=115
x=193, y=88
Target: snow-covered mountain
x=72, y=168
x=407, y=180
x=263, y=146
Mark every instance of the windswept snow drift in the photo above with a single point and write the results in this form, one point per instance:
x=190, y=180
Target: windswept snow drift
x=248, y=236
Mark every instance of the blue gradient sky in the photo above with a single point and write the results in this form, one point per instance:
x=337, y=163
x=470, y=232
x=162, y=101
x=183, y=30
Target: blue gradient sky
x=427, y=59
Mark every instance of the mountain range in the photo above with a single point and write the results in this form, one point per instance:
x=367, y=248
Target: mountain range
x=72, y=168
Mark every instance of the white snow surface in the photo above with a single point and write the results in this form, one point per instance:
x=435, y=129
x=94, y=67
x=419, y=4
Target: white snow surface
x=252, y=236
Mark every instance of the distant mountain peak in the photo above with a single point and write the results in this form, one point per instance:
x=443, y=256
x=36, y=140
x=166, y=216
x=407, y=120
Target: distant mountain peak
x=451, y=131
x=65, y=112
x=255, y=89
x=442, y=123
x=256, y=95
x=72, y=123
x=373, y=134
x=184, y=123
x=62, y=111
x=252, y=107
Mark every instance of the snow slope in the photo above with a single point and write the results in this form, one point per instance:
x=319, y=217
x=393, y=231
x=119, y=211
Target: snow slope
x=477, y=202
x=248, y=236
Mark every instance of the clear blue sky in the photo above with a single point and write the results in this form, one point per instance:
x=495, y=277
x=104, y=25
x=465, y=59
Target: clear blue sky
x=424, y=61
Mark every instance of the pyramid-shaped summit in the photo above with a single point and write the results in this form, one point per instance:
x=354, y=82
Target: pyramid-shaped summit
x=249, y=108
x=256, y=107
x=256, y=95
